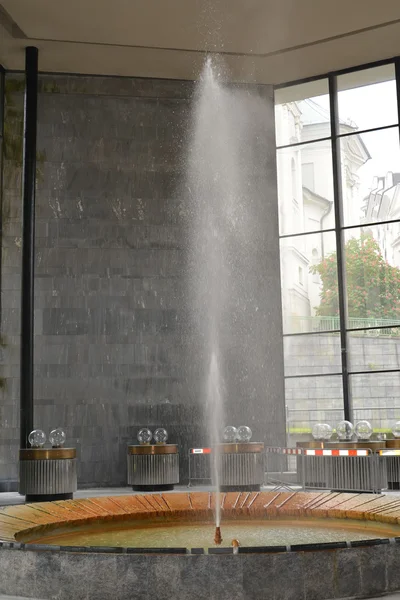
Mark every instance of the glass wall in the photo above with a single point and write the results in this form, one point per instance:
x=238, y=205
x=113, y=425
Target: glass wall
x=338, y=158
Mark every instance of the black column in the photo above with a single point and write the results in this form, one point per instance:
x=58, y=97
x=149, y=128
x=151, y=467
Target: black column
x=340, y=243
x=28, y=242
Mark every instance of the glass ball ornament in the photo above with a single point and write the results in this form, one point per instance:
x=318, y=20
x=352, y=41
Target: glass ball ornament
x=37, y=438
x=396, y=430
x=363, y=430
x=144, y=436
x=230, y=434
x=244, y=433
x=345, y=431
x=160, y=435
x=327, y=432
x=57, y=437
x=318, y=431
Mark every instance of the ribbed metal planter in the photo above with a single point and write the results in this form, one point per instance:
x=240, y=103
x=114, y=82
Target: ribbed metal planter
x=241, y=466
x=47, y=474
x=393, y=465
x=153, y=467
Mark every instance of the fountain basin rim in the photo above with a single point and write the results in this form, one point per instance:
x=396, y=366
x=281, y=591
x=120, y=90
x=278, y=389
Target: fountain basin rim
x=294, y=548
x=35, y=521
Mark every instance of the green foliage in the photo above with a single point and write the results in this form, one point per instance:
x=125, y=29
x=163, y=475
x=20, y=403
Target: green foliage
x=373, y=285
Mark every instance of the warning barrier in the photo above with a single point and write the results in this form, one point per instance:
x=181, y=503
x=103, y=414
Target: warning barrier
x=355, y=470
x=336, y=452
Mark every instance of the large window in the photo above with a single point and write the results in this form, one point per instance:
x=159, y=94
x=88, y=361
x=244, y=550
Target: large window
x=338, y=157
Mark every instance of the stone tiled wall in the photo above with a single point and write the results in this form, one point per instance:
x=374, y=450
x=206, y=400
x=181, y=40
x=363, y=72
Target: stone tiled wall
x=312, y=575
x=112, y=352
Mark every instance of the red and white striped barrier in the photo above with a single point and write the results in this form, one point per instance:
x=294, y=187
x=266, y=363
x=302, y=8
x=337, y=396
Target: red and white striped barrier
x=337, y=452
x=200, y=450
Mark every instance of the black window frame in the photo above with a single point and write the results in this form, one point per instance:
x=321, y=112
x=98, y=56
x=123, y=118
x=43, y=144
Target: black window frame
x=340, y=228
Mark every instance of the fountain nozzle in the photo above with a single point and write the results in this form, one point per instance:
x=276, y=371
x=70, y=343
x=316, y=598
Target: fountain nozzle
x=218, y=537
x=235, y=546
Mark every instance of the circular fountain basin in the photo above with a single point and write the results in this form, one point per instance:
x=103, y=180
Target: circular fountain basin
x=297, y=542
x=249, y=533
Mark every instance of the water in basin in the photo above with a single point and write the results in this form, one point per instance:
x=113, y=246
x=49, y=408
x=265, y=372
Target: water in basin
x=192, y=535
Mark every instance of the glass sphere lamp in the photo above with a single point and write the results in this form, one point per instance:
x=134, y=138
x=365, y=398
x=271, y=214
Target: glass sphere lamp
x=396, y=430
x=363, y=430
x=57, y=437
x=144, y=436
x=318, y=431
x=345, y=431
x=244, y=433
x=160, y=435
x=327, y=432
x=230, y=434
x=37, y=438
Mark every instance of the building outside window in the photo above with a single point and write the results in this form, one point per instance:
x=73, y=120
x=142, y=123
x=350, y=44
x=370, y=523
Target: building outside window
x=360, y=184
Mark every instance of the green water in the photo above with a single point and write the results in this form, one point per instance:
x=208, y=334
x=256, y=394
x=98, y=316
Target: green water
x=192, y=535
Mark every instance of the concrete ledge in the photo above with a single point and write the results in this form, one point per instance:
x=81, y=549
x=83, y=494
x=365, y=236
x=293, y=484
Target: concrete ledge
x=310, y=575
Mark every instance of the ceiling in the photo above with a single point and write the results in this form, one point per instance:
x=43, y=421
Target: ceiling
x=269, y=41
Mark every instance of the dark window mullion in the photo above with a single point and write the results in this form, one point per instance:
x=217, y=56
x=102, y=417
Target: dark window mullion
x=371, y=130
x=2, y=117
x=340, y=251
x=322, y=332
x=310, y=376
x=305, y=143
x=285, y=236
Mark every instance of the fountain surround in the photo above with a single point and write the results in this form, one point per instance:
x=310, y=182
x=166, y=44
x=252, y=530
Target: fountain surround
x=300, y=572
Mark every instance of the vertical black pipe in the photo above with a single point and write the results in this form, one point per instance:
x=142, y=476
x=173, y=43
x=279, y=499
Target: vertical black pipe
x=397, y=75
x=28, y=243
x=340, y=243
x=2, y=109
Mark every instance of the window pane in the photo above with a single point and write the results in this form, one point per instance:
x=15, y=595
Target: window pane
x=309, y=281
x=376, y=398
x=311, y=400
x=305, y=188
x=367, y=99
x=302, y=112
x=312, y=354
x=371, y=176
x=375, y=349
x=372, y=261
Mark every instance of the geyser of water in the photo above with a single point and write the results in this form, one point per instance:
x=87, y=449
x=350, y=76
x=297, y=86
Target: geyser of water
x=224, y=187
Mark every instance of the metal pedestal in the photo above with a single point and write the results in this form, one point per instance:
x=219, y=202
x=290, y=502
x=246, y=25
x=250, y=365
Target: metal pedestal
x=391, y=460
x=241, y=466
x=153, y=467
x=47, y=474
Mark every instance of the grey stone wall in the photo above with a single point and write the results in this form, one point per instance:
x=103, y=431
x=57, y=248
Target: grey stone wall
x=112, y=352
x=313, y=399
x=312, y=575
